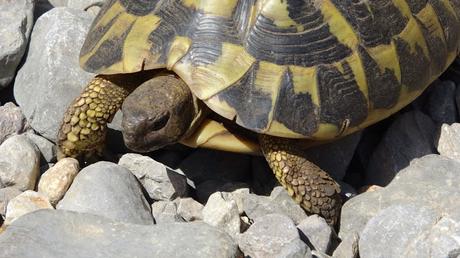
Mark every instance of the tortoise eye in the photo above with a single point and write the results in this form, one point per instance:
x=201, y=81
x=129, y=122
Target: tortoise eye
x=160, y=123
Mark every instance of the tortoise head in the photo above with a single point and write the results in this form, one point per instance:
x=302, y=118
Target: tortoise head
x=157, y=113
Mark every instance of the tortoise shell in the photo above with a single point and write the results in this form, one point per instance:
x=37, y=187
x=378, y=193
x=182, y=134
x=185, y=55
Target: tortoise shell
x=291, y=68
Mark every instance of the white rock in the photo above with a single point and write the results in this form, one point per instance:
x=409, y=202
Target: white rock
x=25, y=203
x=222, y=213
x=449, y=141
x=19, y=163
x=56, y=180
x=189, y=209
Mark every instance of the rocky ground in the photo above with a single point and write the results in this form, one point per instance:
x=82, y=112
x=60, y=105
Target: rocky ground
x=182, y=202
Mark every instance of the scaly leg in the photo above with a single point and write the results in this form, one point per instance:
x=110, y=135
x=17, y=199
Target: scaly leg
x=305, y=182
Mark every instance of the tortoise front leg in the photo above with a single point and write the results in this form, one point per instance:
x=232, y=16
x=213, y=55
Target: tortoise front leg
x=305, y=182
x=84, y=127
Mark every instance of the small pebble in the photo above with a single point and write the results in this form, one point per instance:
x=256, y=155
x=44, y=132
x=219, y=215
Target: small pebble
x=24, y=203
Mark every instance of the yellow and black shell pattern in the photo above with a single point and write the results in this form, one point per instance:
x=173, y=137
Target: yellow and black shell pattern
x=291, y=68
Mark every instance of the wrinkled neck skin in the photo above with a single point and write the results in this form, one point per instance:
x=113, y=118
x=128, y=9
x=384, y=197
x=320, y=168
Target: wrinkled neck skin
x=159, y=112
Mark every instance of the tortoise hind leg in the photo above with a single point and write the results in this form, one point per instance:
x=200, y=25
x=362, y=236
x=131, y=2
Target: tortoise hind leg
x=307, y=184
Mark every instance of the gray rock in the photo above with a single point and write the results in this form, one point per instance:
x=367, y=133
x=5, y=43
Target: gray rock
x=208, y=187
x=442, y=240
x=57, y=233
x=279, y=202
x=406, y=222
x=222, y=213
x=340, y=151
x=159, y=181
x=429, y=181
x=17, y=21
x=12, y=121
x=189, y=209
x=204, y=164
x=318, y=233
x=441, y=102
x=19, y=163
x=410, y=136
x=273, y=235
x=45, y=93
x=449, y=141
x=24, y=203
x=55, y=182
x=348, y=248
x=165, y=212
x=7, y=194
x=46, y=148
x=108, y=190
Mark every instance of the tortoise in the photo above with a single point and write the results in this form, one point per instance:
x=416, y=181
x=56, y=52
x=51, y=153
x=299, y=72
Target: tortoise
x=257, y=76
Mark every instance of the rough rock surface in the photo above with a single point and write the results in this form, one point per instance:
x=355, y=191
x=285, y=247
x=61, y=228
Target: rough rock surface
x=222, y=213
x=430, y=183
x=19, y=163
x=159, y=181
x=12, y=121
x=45, y=93
x=17, y=19
x=47, y=149
x=316, y=230
x=279, y=202
x=407, y=222
x=108, y=190
x=189, y=209
x=56, y=180
x=6, y=195
x=165, y=212
x=60, y=233
x=273, y=235
x=24, y=203
x=449, y=141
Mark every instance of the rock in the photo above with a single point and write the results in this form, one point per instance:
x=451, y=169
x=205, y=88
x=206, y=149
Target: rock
x=273, y=235
x=279, y=202
x=340, y=151
x=159, y=181
x=165, y=212
x=19, y=163
x=108, y=190
x=56, y=180
x=441, y=103
x=17, y=21
x=348, y=248
x=406, y=222
x=45, y=93
x=189, y=209
x=410, y=136
x=316, y=231
x=7, y=194
x=440, y=241
x=12, y=121
x=449, y=141
x=83, y=4
x=219, y=165
x=429, y=182
x=46, y=148
x=208, y=187
x=222, y=213
x=24, y=203
x=61, y=233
